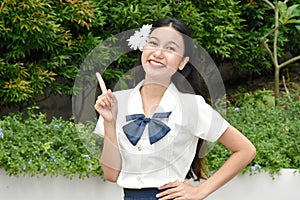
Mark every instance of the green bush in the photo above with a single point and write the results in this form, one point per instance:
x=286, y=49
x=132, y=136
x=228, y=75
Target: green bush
x=34, y=147
x=274, y=130
x=44, y=42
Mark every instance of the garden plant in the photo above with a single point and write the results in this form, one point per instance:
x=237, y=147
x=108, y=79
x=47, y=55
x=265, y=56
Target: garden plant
x=43, y=43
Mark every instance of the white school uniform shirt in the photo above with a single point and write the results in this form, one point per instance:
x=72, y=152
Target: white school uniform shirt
x=169, y=159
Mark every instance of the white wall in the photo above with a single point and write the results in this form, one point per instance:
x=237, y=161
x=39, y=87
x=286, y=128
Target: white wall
x=57, y=188
x=261, y=187
x=258, y=187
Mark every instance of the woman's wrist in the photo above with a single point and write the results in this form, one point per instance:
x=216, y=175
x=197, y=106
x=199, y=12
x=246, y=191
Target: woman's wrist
x=110, y=123
x=202, y=191
x=110, y=130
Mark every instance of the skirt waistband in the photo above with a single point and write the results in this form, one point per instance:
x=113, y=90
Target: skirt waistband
x=141, y=193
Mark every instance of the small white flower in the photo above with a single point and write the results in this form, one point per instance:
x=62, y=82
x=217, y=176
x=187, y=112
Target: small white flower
x=146, y=29
x=139, y=39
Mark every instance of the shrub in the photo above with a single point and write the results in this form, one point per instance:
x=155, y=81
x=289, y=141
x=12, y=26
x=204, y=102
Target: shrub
x=34, y=147
x=43, y=42
x=274, y=130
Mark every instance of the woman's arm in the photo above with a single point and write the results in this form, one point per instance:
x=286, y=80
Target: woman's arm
x=110, y=157
x=107, y=106
x=243, y=153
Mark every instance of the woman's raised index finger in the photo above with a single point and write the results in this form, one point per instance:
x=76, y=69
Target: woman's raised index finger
x=101, y=82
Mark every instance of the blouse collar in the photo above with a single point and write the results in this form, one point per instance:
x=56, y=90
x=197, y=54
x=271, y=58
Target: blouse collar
x=167, y=103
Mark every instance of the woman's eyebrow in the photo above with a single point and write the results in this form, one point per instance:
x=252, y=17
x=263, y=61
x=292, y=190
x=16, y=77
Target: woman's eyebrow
x=169, y=42
x=174, y=43
x=153, y=37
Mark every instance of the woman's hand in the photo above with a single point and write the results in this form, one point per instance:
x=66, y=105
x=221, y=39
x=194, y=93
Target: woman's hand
x=180, y=191
x=106, y=104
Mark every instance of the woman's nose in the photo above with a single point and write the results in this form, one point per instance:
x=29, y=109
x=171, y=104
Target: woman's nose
x=158, y=52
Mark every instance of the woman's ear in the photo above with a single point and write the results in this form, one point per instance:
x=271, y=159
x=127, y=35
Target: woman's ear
x=182, y=64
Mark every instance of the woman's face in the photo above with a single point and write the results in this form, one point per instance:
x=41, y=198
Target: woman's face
x=163, y=53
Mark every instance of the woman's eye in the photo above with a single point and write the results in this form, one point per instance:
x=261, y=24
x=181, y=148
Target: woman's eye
x=171, y=48
x=152, y=43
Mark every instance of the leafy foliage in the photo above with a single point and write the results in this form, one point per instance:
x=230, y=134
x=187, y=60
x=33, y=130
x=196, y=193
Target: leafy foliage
x=34, y=147
x=274, y=130
x=44, y=42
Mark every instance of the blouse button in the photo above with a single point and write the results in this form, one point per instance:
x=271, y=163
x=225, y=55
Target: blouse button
x=139, y=178
x=140, y=148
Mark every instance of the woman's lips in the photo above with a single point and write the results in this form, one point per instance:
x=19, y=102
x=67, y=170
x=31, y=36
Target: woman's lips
x=156, y=64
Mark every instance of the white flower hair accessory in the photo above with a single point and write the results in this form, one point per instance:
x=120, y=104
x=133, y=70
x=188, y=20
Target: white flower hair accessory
x=139, y=39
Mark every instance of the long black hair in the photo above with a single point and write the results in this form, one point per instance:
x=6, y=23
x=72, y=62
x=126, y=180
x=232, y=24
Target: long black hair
x=190, y=74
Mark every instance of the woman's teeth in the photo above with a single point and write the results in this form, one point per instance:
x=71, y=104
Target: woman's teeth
x=155, y=63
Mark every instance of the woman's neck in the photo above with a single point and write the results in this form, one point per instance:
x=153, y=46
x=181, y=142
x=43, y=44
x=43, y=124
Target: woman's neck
x=152, y=94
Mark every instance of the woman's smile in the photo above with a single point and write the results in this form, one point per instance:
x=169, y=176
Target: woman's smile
x=156, y=64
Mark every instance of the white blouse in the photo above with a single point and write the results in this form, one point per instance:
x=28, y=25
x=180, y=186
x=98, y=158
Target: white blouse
x=169, y=159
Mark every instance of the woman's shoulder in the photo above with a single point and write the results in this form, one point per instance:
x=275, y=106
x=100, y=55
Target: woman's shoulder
x=192, y=97
x=123, y=94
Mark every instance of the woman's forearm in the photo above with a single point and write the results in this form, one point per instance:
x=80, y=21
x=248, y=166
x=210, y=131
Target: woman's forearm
x=110, y=157
x=243, y=153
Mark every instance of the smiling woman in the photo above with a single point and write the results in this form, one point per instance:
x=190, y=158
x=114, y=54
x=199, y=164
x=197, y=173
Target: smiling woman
x=153, y=133
x=164, y=50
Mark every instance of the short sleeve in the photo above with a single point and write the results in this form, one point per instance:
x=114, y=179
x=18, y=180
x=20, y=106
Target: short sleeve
x=210, y=124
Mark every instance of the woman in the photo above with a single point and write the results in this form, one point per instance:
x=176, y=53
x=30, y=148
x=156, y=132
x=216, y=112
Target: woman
x=151, y=132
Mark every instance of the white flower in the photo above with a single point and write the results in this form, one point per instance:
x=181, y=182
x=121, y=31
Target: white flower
x=146, y=29
x=139, y=39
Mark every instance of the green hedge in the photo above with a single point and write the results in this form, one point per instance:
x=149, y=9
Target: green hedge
x=44, y=42
x=33, y=146
x=274, y=130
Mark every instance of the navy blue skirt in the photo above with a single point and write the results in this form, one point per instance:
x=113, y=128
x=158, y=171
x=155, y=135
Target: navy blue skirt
x=141, y=194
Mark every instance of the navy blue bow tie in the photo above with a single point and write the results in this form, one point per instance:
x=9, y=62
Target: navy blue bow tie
x=157, y=129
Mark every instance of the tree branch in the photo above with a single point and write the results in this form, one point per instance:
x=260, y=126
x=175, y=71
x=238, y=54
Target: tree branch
x=286, y=89
x=276, y=35
x=270, y=4
x=268, y=49
x=289, y=61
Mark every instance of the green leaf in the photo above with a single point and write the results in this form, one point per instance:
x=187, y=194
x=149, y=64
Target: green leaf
x=293, y=21
x=292, y=11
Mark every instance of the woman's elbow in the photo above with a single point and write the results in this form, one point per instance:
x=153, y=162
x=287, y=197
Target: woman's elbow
x=109, y=173
x=251, y=152
x=110, y=178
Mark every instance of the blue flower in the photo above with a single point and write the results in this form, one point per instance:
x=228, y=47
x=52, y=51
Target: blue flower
x=23, y=167
x=86, y=156
x=1, y=133
x=236, y=108
x=46, y=127
x=57, y=126
x=53, y=159
x=91, y=167
x=44, y=166
x=255, y=167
